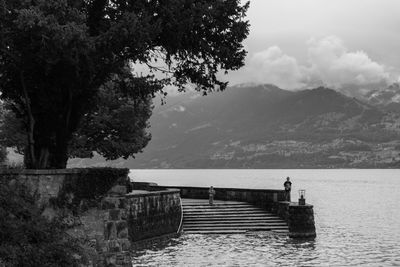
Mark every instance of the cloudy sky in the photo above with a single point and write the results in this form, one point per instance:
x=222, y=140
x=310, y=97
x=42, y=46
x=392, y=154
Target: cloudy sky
x=301, y=43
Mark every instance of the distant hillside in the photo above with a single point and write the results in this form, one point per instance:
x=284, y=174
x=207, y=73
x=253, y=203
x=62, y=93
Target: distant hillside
x=266, y=127
x=387, y=99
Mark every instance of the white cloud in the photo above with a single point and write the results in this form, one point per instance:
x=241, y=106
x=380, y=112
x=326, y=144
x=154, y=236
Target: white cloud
x=328, y=63
x=332, y=64
x=273, y=66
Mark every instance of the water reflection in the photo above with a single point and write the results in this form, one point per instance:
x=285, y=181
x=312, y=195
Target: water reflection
x=252, y=249
x=263, y=249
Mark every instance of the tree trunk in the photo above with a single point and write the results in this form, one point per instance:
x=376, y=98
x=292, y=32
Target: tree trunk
x=59, y=156
x=54, y=158
x=31, y=158
x=49, y=133
x=51, y=150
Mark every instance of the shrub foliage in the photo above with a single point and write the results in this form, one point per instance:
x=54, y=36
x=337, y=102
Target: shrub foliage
x=26, y=237
x=89, y=187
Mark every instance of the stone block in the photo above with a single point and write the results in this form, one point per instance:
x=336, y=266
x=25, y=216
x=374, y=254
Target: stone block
x=108, y=203
x=123, y=260
x=101, y=245
x=118, y=190
x=122, y=229
x=114, y=214
x=123, y=233
x=122, y=203
x=110, y=231
x=111, y=260
x=114, y=246
x=124, y=214
x=125, y=244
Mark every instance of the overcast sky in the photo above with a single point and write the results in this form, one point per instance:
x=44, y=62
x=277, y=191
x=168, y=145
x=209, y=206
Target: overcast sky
x=297, y=43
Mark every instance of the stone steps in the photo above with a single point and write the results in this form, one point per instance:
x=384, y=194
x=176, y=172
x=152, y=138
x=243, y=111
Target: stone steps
x=206, y=232
x=230, y=216
x=216, y=232
x=227, y=217
x=222, y=212
x=231, y=221
x=243, y=227
x=225, y=209
x=205, y=202
x=207, y=206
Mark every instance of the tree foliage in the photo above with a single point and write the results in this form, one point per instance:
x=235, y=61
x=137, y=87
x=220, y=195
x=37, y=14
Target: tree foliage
x=12, y=132
x=56, y=55
x=117, y=126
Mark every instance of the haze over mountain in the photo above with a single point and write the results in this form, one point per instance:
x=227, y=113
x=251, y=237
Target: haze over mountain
x=388, y=98
x=263, y=126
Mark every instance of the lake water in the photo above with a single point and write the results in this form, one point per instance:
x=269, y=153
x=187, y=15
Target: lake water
x=357, y=217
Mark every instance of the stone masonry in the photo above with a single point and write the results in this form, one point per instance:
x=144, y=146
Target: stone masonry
x=113, y=225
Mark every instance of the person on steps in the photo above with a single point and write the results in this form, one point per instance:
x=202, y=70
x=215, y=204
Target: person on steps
x=211, y=194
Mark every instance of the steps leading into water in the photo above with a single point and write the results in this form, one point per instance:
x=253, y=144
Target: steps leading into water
x=227, y=217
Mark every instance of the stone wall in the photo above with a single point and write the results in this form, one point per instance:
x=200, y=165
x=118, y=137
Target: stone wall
x=91, y=231
x=282, y=210
x=45, y=183
x=86, y=200
x=153, y=214
x=137, y=216
x=112, y=220
x=115, y=244
x=264, y=198
x=76, y=185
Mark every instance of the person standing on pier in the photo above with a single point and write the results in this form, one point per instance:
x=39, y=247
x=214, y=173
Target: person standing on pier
x=288, y=187
x=211, y=194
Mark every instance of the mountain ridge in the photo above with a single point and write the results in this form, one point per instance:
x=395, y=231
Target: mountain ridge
x=263, y=126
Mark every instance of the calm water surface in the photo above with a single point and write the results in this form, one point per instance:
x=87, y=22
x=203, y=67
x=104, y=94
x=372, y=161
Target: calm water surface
x=356, y=212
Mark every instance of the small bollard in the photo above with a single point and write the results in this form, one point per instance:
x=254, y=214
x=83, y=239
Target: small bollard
x=211, y=193
x=302, y=195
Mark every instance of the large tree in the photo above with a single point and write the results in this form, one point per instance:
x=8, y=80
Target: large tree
x=115, y=127
x=56, y=55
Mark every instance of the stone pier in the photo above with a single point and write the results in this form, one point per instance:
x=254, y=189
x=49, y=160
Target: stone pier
x=300, y=219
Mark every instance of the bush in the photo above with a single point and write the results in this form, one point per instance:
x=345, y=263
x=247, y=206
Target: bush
x=89, y=187
x=94, y=183
x=29, y=239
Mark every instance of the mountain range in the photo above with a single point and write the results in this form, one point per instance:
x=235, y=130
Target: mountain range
x=263, y=126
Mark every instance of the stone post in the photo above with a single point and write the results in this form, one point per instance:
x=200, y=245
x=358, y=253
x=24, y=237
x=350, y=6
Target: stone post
x=301, y=221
